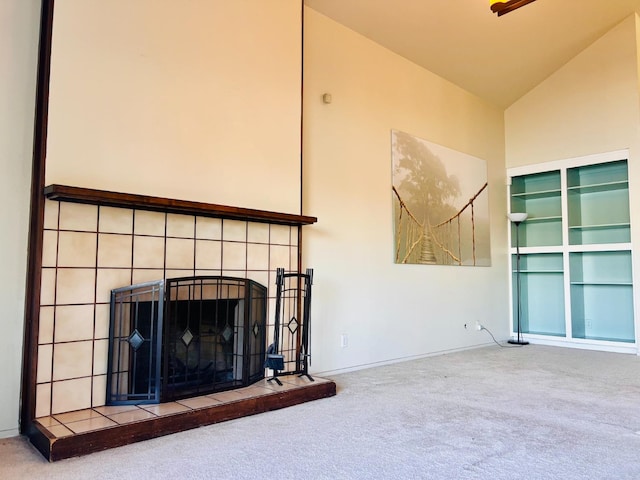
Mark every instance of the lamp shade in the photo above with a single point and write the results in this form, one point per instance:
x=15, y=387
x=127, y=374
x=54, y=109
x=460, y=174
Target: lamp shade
x=518, y=217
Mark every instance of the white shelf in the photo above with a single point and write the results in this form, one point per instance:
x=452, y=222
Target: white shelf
x=540, y=271
x=538, y=194
x=599, y=187
x=603, y=226
x=544, y=219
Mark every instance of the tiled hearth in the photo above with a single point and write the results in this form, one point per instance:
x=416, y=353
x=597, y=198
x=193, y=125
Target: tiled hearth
x=89, y=430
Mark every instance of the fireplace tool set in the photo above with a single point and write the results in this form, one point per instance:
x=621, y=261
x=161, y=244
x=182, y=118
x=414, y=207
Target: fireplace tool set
x=293, y=301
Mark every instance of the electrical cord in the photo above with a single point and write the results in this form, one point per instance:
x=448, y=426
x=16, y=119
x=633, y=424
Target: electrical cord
x=482, y=327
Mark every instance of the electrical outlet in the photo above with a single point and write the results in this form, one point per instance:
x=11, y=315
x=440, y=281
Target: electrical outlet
x=344, y=340
x=479, y=326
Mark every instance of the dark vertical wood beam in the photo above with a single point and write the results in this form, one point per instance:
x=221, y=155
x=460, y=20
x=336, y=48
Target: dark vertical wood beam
x=299, y=266
x=36, y=222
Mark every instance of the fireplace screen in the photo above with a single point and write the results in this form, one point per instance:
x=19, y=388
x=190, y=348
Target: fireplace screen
x=185, y=337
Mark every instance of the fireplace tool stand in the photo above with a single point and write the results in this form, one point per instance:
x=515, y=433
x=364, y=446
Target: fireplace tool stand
x=293, y=301
x=275, y=360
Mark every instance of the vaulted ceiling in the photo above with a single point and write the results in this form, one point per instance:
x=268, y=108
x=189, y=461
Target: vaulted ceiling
x=496, y=58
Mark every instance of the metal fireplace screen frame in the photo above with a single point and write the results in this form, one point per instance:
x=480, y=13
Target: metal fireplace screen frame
x=192, y=335
x=135, y=343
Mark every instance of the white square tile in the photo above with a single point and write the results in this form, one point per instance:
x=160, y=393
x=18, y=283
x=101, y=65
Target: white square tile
x=45, y=360
x=116, y=220
x=76, y=416
x=234, y=256
x=102, y=320
x=149, y=223
x=78, y=217
x=49, y=248
x=75, y=285
x=234, y=230
x=294, y=259
x=48, y=286
x=293, y=238
x=261, y=277
x=45, y=332
x=99, y=387
x=180, y=253
x=148, y=252
x=74, y=322
x=182, y=226
x=208, y=254
x=208, y=228
x=72, y=360
x=165, y=408
x=176, y=273
x=115, y=250
x=43, y=400
x=147, y=275
x=100, y=355
x=108, y=279
x=207, y=273
x=70, y=395
x=257, y=256
x=258, y=232
x=280, y=257
x=131, y=416
x=51, y=208
x=280, y=234
x=77, y=249
x=91, y=424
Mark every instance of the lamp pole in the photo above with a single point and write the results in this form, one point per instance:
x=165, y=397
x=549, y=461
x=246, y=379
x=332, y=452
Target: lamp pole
x=517, y=219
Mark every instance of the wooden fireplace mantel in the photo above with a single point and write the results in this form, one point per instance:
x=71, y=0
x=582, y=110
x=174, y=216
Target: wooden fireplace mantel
x=159, y=204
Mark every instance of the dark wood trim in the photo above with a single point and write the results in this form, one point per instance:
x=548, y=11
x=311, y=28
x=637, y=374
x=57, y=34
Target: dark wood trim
x=160, y=204
x=36, y=221
x=84, y=443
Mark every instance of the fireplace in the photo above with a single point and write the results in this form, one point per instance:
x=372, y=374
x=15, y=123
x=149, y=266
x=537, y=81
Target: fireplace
x=95, y=241
x=184, y=337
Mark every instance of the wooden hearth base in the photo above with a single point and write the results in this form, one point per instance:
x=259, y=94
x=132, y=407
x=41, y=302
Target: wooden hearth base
x=259, y=398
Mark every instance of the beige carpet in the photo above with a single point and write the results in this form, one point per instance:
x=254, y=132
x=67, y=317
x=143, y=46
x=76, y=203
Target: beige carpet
x=493, y=413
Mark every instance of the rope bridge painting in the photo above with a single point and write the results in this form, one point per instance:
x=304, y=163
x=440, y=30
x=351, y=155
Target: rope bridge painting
x=440, y=204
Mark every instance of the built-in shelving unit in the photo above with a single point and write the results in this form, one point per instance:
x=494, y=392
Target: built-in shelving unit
x=576, y=263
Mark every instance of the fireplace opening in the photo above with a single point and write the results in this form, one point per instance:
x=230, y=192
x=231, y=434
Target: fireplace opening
x=185, y=337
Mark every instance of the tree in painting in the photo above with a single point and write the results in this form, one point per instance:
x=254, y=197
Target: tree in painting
x=440, y=204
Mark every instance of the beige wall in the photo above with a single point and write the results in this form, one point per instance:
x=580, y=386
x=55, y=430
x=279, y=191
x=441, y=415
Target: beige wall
x=388, y=311
x=196, y=100
x=589, y=106
x=19, y=24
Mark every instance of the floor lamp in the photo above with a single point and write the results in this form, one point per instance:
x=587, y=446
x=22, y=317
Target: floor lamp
x=517, y=219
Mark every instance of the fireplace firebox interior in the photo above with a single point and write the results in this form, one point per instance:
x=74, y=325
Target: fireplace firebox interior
x=184, y=337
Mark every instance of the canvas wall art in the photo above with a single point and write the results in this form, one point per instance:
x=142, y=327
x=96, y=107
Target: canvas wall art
x=440, y=204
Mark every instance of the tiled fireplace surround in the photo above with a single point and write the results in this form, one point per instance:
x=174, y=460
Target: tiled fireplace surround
x=90, y=249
